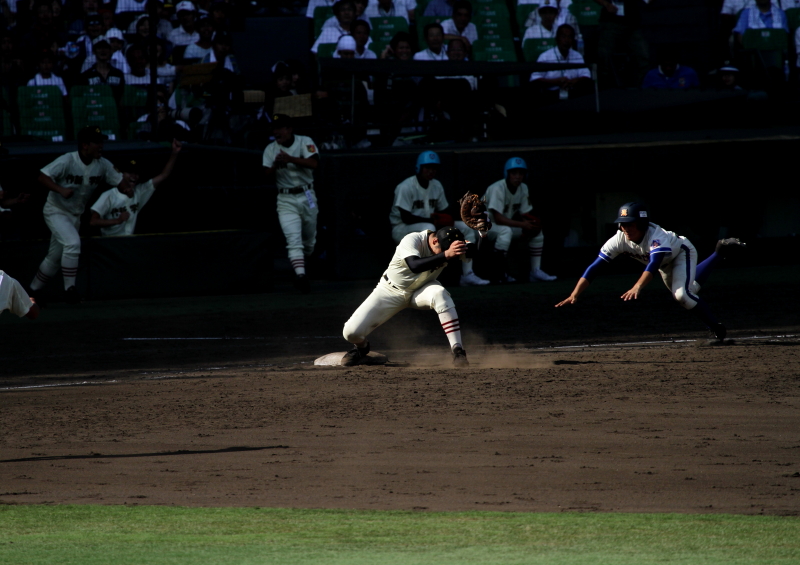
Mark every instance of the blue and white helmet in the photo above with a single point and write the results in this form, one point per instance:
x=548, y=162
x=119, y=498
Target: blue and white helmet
x=515, y=163
x=427, y=158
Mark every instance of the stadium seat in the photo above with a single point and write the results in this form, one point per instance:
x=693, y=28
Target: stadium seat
x=326, y=50
x=493, y=27
x=321, y=15
x=496, y=56
x=134, y=128
x=94, y=90
x=134, y=96
x=100, y=111
x=492, y=45
x=586, y=12
x=41, y=112
x=765, y=39
x=532, y=48
x=40, y=97
x=43, y=124
x=523, y=11
x=384, y=29
x=492, y=10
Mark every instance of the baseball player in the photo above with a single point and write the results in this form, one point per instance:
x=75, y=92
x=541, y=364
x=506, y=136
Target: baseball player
x=71, y=180
x=14, y=298
x=410, y=282
x=291, y=160
x=671, y=255
x=418, y=203
x=509, y=206
x=116, y=210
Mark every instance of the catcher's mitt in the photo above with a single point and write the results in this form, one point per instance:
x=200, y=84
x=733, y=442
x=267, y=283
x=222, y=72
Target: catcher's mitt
x=473, y=213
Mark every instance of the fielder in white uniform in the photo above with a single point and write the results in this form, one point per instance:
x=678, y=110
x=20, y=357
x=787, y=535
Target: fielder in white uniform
x=410, y=282
x=509, y=205
x=671, y=255
x=291, y=160
x=418, y=203
x=14, y=298
x=116, y=211
x=71, y=179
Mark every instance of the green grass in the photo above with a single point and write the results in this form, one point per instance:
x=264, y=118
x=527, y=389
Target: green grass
x=155, y=535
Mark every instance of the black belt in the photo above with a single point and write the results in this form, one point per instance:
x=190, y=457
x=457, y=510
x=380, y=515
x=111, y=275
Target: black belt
x=391, y=284
x=295, y=190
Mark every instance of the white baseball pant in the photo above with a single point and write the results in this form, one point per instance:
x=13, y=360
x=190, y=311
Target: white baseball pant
x=679, y=275
x=298, y=222
x=64, y=251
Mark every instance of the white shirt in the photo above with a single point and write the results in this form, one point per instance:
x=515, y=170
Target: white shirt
x=13, y=297
x=399, y=9
x=538, y=31
x=166, y=74
x=131, y=6
x=428, y=55
x=656, y=240
x=554, y=56
x=292, y=176
x=412, y=197
x=70, y=172
x=180, y=36
x=133, y=79
x=329, y=35
x=499, y=198
x=54, y=80
x=112, y=203
x=412, y=245
x=313, y=4
x=470, y=32
x=194, y=51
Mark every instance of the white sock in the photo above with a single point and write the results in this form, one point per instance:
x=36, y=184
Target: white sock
x=299, y=265
x=44, y=274
x=451, y=327
x=69, y=270
x=466, y=266
x=536, y=258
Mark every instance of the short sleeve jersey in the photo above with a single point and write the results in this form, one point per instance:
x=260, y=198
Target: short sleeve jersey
x=499, y=198
x=412, y=197
x=112, y=203
x=412, y=245
x=13, y=297
x=70, y=172
x=292, y=176
x=656, y=240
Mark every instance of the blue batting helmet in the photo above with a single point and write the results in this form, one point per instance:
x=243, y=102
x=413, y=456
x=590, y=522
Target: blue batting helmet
x=427, y=158
x=515, y=163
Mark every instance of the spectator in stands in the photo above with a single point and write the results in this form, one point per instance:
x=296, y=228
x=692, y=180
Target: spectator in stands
x=102, y=71
x=137, y=61
x=202, y=47
x=399, y=48
x=345, y=12
x=434, y=38
x=45, y=76
x=128, y=8
x=281, y=81
x=345, y=48
x=562, y=16
x=361, y=31
x=669, y=75
x=544, y=26
x=94, y=29
x=171, y=124
x=388, y=9
x=76, y=26
x=763, y=15
x=619, y=32
x=219, y=15
x=441, y=8
x=185, y=33
x=141, y=25
x=167, y=73
x=457, y=51
x=559, y=84
x=43, y=34
x=361, y=6
x=460, y=25
x=222, y=52
x=117, y=42
x=729, y=77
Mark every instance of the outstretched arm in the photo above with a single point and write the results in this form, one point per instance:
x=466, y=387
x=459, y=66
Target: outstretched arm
x=647, y=276
x=582, y=285
x=176, y=148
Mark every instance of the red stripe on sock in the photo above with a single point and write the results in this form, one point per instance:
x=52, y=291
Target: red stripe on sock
x=453, y=330
x=450, y=323
x=42, y=277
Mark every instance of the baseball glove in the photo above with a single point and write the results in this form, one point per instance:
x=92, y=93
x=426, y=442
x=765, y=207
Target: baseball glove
x=535, y=222
x=473, y=213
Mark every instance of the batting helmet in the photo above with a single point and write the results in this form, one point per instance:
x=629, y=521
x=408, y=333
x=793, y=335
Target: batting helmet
x=633, y=212
x=515, y=163
x=427, y=158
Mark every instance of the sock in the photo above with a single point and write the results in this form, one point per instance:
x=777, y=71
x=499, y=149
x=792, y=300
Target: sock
x=43, y=275
x=451, y=327
x=704, y=269
x=703, y=311
x=466, y=266
x=299, y=265
x=536, y=257
x=69, y=270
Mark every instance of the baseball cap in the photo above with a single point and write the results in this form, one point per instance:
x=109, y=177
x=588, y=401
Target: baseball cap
x=281, y=121
x=114, y=33
x=547, y=7
x=448, y=235
x=185, y=6
x=99, y=39
x=346, y=43
x=91, y=134
x=129, y=166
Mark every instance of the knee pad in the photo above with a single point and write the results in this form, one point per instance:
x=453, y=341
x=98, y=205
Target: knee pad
x=685, y=299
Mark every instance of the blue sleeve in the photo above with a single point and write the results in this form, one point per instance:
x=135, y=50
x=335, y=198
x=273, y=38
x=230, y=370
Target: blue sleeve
x=741, y=25
x=655, y=262
x=591, y=271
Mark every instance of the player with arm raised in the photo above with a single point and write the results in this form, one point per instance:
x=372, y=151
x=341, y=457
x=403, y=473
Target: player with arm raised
x=664, y=252
x=116, y=211
x=410, y=282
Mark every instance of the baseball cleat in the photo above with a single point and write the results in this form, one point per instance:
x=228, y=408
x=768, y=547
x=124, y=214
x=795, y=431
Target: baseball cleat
x=460, y=357
x=726, y=245
x=538, y=275
x=355, y=355
x=471, y=279
x=71, y=296
x=719, y=331
x=302, y=284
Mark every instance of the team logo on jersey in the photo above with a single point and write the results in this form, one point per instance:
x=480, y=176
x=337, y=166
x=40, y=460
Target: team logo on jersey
x=656, y=243
x=623, y=213
x=311, y=148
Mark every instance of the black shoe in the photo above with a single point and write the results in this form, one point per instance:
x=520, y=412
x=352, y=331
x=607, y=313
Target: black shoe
x=725, y=246
x=355, y=355
x=71, y=296
x=302, y=284
x=719, y=331
x=460, y=357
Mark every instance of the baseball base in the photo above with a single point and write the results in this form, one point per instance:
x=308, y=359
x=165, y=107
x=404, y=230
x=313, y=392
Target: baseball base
x=372, y=358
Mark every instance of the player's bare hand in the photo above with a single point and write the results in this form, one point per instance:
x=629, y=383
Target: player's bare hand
x=123, y=217
x=456, y=249
x=570, y=300
x=283, y=158
x=632, y=294
x=67, y=192
x=176, y=146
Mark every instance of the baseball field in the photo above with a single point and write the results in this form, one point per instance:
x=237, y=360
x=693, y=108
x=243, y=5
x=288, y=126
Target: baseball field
x=198, y=430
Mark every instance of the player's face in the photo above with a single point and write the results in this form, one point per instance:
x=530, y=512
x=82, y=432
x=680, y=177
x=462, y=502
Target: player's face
x=129, y=180
x=428, y=172
x=515, y=177
x=433, y=243
x=632, y=233
x=283, y=135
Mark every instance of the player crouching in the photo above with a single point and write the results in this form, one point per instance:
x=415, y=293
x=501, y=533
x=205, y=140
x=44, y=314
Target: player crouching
x=410, y=282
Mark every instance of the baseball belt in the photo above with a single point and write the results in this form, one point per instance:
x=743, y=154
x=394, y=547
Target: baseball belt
x=296, y=189
x=391, y=284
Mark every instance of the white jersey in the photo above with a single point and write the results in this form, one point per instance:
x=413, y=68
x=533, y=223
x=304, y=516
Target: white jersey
x=412, y=197
x=554, y=56
x=112, y=203
x=292, y=176
x=656, y=240
x=428, y=55
x=538, y=31
x=499, y=198
x=70, y=172
x=413, y=245
x=399, y=9
x=13, y=297
x=470, y=32
x=53, y=80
